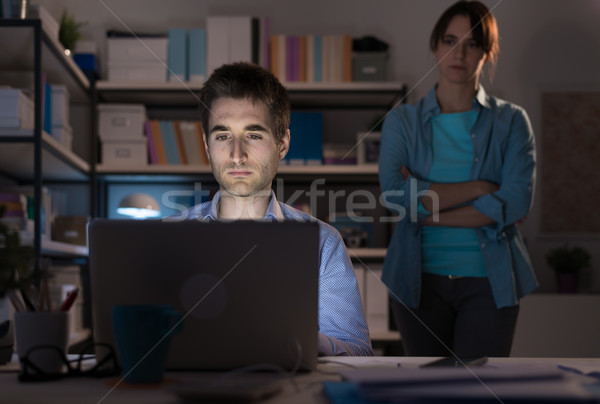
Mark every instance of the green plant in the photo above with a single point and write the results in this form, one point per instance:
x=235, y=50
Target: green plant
x=70, y=31
x=16, y=261
x=567, y=259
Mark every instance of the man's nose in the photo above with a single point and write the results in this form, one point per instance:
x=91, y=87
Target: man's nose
x=238, y=151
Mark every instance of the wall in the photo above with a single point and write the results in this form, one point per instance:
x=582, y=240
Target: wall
x=545, y=46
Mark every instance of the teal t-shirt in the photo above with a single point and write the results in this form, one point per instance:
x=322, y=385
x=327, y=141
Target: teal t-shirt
x=452, y=250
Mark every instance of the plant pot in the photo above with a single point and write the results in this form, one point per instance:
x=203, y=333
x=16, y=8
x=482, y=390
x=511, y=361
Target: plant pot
x=567, y=282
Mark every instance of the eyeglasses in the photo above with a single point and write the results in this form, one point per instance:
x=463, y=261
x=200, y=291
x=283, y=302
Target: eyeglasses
x=105, y=367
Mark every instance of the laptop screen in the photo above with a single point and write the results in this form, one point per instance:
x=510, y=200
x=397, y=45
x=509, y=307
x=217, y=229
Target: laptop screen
x=248, y=290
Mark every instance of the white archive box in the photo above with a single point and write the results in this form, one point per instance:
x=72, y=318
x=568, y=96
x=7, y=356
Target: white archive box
x=16, y=110
x=143, y=71
x=137, y=49
x=121, y=122
x=60, y=105
x=130, y=153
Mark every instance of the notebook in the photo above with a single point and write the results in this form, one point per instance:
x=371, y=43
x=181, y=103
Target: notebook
x=247, y=289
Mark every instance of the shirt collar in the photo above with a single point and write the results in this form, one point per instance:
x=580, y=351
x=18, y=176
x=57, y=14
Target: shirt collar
x=274, y=211
x=432, y=108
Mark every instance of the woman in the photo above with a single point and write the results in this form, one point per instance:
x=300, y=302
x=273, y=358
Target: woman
x=461, y=164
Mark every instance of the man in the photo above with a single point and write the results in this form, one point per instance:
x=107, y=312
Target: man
x=246, y=117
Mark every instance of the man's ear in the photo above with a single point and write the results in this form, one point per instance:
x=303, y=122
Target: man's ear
x=284, y=144
x=206, y=150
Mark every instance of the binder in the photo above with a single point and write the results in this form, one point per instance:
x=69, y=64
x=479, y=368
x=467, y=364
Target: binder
x=177, y=60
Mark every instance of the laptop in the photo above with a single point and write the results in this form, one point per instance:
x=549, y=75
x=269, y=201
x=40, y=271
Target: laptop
x=247, y=289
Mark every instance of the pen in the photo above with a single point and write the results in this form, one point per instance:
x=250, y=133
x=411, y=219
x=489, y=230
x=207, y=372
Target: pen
x=66, y=305
x=16, y=301
x=27, y=301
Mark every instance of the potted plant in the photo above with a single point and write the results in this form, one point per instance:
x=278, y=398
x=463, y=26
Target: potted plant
x=16, y=274
x=567, y=262
x=70, y=31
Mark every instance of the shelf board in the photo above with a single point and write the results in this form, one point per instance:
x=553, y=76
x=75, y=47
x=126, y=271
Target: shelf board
x=56, y=248
x=367, y=253
x=385, y=335
x=18, y=56
x=58, y=162
x=314, y=95
x=171, y=172
x=203, y=169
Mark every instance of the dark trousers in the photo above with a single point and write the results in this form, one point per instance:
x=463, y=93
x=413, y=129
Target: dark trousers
x=456, y=317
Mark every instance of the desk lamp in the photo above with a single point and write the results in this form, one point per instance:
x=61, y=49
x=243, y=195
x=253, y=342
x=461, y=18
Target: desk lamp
x=139, y=206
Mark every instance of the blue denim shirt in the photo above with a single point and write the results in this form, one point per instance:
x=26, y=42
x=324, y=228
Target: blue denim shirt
x=504, y=153
x=342, y=326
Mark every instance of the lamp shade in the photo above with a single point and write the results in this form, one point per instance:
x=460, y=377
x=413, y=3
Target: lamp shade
x=139, y=206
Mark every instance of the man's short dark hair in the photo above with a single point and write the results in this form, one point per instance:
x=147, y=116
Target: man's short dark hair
x=242, y=80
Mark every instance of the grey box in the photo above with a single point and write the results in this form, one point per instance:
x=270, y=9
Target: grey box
x=368, y=66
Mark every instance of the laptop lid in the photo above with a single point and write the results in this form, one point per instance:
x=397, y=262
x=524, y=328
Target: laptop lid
x=247, y=289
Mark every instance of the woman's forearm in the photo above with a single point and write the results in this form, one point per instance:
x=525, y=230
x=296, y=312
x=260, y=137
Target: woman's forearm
x=464, y=216
x=441, y=196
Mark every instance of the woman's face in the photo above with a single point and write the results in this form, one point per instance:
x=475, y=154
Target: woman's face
x=460, y=58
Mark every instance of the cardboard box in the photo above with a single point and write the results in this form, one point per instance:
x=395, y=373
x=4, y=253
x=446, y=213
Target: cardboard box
x=368, y=66
x=133, y=153
x=121, y=122
x=70, y=229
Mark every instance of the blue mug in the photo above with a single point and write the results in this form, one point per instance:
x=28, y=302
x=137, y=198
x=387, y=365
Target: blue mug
x=143, y=334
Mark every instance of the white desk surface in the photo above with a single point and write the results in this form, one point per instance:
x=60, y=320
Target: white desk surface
x=84, y=390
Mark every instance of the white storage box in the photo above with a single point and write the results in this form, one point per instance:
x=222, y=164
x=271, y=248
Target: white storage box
x=145, y=71
x=16, y=110
x=121, y=122
x=64, y=135
x=133, y=153
x=137, y=49
x=60, y=105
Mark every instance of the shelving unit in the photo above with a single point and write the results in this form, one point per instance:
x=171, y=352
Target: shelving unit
x=31, y=156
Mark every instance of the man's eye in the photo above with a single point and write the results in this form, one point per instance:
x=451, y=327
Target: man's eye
x=254, y=136
x=221, y=137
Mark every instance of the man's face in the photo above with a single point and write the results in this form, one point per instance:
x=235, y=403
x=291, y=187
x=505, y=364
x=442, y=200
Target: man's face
x=241, y=146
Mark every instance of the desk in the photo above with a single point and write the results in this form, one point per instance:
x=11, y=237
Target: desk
x=87, y=390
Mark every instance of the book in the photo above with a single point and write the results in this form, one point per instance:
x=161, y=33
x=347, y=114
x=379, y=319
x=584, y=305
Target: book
x=318, y=58
x=242, y=43
x=197, y=55
x=161, y=154
x=152, y=156
x=179, y=142
x=177, y=55
x=190, y=142
x=168, y=136
x=309, y=59
x=217, y=42
x=200, y=136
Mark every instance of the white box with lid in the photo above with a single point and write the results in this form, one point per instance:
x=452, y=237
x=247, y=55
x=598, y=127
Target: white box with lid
x=121, y=122
x=16, y=110
x=130, y=153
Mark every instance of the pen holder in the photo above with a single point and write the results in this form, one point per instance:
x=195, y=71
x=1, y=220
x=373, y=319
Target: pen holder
x=6, y=341
x=42, y=328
